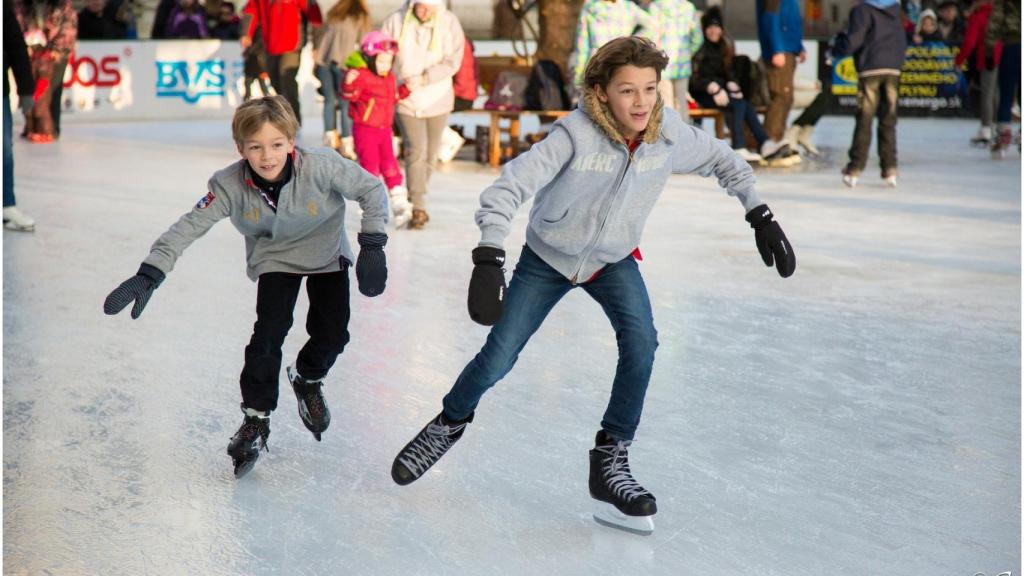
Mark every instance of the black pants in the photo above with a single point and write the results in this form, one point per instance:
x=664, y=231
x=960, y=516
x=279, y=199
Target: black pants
x=876, y=95
x=282, y=69
x=326, y=324
x=818, y=108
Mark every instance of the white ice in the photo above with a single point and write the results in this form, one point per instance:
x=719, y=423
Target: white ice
x=861, y=417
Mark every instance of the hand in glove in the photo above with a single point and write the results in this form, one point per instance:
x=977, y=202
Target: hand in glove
x=487, y=285
x=771, y=241
x=720, y=96
x=371, y=265
x=138, y=288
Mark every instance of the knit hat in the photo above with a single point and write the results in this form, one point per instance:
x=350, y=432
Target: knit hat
x=712, y=17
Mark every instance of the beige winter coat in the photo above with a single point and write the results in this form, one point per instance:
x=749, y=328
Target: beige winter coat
x=431, y=50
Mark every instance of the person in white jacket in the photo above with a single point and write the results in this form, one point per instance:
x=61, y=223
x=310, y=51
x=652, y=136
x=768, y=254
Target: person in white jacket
x=431, y=43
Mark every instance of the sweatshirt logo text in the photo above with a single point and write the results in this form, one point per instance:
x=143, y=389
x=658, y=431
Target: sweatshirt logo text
x=595, y=162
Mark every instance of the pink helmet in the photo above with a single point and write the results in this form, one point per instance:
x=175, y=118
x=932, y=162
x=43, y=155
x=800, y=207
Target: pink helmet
x=376, y=42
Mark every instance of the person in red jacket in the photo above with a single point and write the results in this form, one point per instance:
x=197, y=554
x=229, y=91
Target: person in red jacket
x=281, y=25
x=465, y=80
x=372, y=92
x=986, y=64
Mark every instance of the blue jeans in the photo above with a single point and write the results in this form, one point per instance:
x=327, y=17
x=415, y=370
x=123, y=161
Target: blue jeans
x=330, y=77
x=534, y=290
x=8, y=154
x=743, y=112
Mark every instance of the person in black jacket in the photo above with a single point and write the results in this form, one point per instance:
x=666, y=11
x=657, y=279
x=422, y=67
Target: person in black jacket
x=16, y=59
x=878, y=43
x=714, y=85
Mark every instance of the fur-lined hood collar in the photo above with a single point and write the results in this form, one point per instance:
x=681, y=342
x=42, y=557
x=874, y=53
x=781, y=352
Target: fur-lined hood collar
x=602, y=116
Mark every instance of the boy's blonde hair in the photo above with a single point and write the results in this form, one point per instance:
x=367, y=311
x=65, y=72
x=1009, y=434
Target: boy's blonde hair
x=253, y=114
x=625, y=50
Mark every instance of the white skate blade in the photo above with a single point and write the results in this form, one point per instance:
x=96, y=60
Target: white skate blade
x=607, y=515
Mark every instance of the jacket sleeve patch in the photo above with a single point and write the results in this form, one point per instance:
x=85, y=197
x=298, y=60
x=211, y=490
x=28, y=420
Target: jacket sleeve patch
x=206, y=200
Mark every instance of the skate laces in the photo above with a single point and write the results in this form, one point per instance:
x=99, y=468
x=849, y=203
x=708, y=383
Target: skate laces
x=252, y=427
x=429, y=446
x=616, y=471
x=313, y=398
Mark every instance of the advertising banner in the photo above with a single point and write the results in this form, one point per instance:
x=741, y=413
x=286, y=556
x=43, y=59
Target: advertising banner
x=929, y=82
x=172, y=79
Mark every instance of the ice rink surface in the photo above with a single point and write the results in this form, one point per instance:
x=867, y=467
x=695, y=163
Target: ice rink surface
x=861, y=417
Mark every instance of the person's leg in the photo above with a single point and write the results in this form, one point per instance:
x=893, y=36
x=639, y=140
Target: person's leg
x=326, y=323
x=989, y=80
x=289, y=84
x=326, y=78
x=8, y=154
x=889, y=91
x=817, y=109
x=274, y=72
x=1009, y=79
x=345, y=120
x=367, y=148
x=867, y=105
x=56, y=101
x=275, y=299
x=780, y=86
x=667, y=92
x=389, y=167
x=621, y=292
x=754, y=123
x=738, y=109
x=534, y=290
x=414, y=134
x=435, y=131
x=681, y=87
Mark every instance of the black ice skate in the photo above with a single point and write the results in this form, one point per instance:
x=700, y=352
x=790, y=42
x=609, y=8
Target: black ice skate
x=621, y=502
x=427, y=448
x=312, y=408
x=244, y=447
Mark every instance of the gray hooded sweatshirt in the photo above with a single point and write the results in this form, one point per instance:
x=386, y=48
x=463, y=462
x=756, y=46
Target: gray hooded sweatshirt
x=306, y=235
x=592, y=196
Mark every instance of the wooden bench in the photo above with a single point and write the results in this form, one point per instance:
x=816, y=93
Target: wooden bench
x=512, y=127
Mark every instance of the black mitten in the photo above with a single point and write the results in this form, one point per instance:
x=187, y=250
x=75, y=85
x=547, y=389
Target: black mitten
x=487, y=285
x=371, y=265
x=138, y=288
x=771, y=241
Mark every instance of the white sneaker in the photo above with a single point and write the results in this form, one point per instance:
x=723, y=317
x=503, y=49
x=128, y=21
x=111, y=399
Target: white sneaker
x=331, y=139
x=890, y=180
x=348, y=148
x=850, y=180
x=400, y=205
x=747, y=155
x=14, y=219
x=792, y=136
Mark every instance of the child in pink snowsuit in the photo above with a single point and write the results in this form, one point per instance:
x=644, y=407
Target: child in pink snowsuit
x=372, y=92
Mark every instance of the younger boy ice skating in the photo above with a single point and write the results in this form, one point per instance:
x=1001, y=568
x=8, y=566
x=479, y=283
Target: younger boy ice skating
x=289, y=203
x=596, y=177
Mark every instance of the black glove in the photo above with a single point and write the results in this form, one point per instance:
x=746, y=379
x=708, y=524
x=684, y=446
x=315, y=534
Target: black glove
x=371, y=265
x=487, y=285
x=138, y=288
x=771, y=241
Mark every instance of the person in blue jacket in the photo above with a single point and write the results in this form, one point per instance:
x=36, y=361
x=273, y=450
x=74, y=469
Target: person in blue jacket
x=780, y=29
x=594, y=179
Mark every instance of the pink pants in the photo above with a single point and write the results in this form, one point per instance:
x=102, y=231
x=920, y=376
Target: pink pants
x=376, y=153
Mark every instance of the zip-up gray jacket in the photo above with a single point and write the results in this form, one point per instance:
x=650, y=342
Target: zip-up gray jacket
x=307, y=233
x=593, y=196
